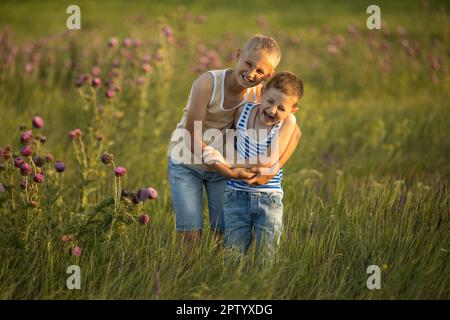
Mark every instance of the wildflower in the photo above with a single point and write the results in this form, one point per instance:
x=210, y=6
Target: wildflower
x=39, y=177
x=110, y=93
x=81, y=79
x=26, y=151
x=113, y=42
x=23, y=184
x=96, y=82
x=153, y=193
x=116, y=63
x=38, y=161
x=7, y=152
x=25, y=169
x=137, y=43
x=120, y=171
x=144, y=194
x=2, y=188
x=18, y=162
x=26, y=136
x=67, y=238
x=42, y=139
x=75, y=133
x=38, y=122
x=125, y=193
x=106, y=158
x=168, y=32
x=95, y=71
x=59, y=166
x=76, y=251
x=146, y=67
x=127, y=42
x=49, y=158
x=144, y=219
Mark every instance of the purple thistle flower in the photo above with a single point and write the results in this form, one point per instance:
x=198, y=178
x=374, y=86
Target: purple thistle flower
x=59, y=166
x=113, y=42
x=2, y=188
x=38, y=122
x=127, y=42
x=26, y=151
x=110, y=93
x=153, y=193
x=18, y=162
x=168, y=32
x=106, y=158
x=96, y=82
x=120, y=171
x=81, y=79
x=76, y=251
x=144, y=219
x=144, y=194
x=38, y=161
x=146, y=67
x=42, y=139
x=25, y=169
x=39, y=177
x=75, y=133
x=95, y=71
x=26, y=136
x=49, y=158
x=23, y=184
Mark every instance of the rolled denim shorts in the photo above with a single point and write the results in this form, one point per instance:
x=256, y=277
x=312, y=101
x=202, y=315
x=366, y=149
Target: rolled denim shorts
x=186, y=185
x=253, y=216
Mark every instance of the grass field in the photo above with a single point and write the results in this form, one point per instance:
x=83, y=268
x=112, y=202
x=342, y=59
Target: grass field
x=368, y=184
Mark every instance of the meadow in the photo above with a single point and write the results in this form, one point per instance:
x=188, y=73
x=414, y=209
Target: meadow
x=86, y=118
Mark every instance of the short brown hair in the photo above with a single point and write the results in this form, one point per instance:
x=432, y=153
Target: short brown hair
x=264, y=45
x=287, y=82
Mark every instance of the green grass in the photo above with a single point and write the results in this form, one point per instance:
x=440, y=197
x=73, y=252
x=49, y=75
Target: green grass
x=368, y=184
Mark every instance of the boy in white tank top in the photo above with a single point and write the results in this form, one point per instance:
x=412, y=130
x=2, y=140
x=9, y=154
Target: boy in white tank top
x=212, y=104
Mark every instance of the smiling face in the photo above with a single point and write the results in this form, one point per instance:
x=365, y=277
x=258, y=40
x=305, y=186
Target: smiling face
x=276, y=106
x=252, y=68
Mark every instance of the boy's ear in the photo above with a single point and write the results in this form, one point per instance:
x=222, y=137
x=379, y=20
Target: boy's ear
x=238, y=54
x=295, y=108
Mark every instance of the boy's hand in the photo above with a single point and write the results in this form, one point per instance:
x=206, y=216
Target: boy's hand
x=258, y=180
x=242, y=174
x=267, y=171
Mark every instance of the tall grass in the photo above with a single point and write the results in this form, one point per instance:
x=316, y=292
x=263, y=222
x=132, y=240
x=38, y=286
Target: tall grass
x=368, y=185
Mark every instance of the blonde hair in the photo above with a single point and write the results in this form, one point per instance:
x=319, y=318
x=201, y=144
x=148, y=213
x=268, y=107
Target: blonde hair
x=265, y=46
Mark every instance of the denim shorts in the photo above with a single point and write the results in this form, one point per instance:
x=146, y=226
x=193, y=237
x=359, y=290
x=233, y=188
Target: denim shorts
x=253, y=216
x=186, y=185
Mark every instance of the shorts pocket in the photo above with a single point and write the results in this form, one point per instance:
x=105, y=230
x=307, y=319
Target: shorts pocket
x=276, y=200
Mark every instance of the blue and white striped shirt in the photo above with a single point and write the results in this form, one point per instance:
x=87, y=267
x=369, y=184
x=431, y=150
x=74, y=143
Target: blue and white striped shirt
x=247, y=147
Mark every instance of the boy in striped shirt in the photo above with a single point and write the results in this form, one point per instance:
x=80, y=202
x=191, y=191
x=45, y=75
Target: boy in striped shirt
x=253, y=209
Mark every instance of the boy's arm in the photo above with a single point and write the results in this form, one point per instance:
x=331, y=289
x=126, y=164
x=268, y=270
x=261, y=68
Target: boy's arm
x=275, y=150
x=293, y=142
x=200, y=96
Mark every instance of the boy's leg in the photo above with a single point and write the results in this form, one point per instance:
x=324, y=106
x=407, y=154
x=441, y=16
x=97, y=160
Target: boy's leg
x=215, y=189
x=186, y=188
x=268, y=224
x=238, y=228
